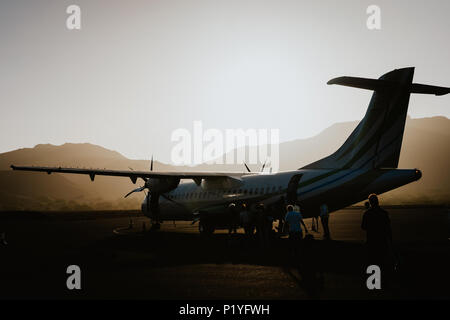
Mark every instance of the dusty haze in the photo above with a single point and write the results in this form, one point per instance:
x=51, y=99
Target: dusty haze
x=140, y=69
x=426, y=145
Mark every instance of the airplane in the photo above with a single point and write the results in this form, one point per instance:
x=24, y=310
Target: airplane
x=366, y=163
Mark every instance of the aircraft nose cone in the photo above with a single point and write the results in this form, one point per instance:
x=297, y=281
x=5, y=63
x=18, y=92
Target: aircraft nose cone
x=418, y=174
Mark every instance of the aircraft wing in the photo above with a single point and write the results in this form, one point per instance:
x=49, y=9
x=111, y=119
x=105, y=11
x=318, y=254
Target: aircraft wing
x=133, y=175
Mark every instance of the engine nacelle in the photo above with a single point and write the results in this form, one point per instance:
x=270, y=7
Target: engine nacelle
x=213, y=183
x=162, y=185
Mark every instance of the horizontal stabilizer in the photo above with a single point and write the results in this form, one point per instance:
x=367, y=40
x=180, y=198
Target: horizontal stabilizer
x=362, y=83
x=380, y=84
x=423, y=88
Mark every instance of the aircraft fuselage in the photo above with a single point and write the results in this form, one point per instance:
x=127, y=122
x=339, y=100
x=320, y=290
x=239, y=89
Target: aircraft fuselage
x=337, y=188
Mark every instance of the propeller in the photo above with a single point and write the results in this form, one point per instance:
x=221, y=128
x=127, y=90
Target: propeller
x=262, y=169
x=136, y=190
x=145, y=186
x=156, y=189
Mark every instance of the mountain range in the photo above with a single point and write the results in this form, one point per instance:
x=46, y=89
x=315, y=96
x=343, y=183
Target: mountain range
x=425, y=146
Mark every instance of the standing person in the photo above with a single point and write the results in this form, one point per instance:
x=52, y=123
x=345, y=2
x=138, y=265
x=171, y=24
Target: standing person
x=232, y=218
x=324, y=218
x=268, y=228
x=314, y=224
x=294, y=219
x=377, y=225
x=260, y=217
x=264, y=225
x=3, y=239
x=246, y=220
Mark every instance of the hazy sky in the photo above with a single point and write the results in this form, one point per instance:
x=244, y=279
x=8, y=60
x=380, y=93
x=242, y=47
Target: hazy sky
x=137, y=70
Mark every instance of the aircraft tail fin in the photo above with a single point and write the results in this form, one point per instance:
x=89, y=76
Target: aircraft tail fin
x=377, y=140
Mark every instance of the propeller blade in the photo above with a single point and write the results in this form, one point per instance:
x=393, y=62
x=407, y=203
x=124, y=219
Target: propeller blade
x=247, y=167
x=262, y=169
x=151, y=164
x=135, y=190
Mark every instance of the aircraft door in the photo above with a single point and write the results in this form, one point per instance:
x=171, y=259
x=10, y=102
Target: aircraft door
x=291, y=194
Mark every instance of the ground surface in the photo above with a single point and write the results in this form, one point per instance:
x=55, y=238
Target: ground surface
x=177, y=263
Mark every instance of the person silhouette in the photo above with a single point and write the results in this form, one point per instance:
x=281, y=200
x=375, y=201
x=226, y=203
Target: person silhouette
x=324, y=218
x=233, y=218
x=377, y=225
x=294, y=220
x=3, y=238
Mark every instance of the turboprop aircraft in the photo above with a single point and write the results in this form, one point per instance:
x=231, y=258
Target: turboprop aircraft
x=366, y=163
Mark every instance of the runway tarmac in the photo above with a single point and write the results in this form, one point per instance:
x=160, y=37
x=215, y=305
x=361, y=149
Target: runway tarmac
x=178, y=263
